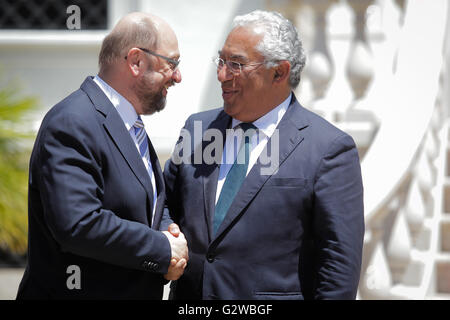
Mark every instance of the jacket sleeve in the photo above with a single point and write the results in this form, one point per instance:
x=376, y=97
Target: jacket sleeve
x=166, y=220
x=338, y=221
x=71, y=186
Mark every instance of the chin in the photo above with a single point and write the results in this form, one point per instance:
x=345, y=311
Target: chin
x=231, y=110
x=228, y=109
x=154, y=104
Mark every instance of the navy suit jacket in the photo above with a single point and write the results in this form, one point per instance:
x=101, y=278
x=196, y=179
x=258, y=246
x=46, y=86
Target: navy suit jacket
x=90, y=206
x=296, y=233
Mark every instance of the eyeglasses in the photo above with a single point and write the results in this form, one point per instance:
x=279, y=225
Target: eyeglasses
x=234, y=66
x=172, y=62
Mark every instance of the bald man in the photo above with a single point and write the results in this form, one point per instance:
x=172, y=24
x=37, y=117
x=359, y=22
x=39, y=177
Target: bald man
x=96, y=190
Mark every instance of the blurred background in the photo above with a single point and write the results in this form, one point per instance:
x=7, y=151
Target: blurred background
x=378, y=69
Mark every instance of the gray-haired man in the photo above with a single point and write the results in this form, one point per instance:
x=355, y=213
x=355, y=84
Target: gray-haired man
x=294, y=232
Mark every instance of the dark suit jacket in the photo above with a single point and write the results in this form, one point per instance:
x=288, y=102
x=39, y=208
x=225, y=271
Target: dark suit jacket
x=90, y=206
x=293, y=234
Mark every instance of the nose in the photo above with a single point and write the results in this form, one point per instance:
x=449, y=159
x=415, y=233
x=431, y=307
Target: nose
x=223, y=74
x=176, y=76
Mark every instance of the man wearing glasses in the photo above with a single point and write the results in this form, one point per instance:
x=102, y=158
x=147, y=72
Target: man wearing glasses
x=293, y=232
x=96, y=191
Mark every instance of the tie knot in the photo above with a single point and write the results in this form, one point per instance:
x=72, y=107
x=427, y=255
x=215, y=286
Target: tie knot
x=139, y=123
x=246, y=126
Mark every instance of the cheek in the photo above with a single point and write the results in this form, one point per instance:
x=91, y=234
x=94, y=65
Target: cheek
x=155, y=82
x=254, y=89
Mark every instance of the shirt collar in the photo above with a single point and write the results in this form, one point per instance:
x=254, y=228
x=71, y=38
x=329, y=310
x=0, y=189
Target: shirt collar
x=122, y=105
x=269, y=122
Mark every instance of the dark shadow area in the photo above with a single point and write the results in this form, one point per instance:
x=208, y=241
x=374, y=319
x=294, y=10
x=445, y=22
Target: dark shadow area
x=10, y=260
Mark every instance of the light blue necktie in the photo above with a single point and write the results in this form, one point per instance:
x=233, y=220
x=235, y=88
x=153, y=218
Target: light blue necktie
x=234, y=179
x=141, y=138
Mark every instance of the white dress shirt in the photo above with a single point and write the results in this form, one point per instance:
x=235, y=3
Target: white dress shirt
x=129, y=117
x=265, y=125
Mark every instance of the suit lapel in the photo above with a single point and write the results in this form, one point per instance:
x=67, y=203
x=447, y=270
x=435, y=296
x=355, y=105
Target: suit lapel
x=116, y=129
x=121, y=137
x=290, y=136
x=210, y=173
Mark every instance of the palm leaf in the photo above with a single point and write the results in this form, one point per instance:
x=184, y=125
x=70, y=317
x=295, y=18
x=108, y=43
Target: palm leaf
x=15, y=139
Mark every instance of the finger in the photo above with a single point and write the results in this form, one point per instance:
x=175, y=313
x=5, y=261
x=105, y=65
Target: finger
x=174, y=229
x=173, y=262
x=181, y=263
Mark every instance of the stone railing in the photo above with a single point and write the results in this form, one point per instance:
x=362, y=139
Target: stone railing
x=375, y=69
x=403, y=169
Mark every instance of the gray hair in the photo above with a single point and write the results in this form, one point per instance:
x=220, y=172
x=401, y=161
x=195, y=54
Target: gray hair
x=280, y=41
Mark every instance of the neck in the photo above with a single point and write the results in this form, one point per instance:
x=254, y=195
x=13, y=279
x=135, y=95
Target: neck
x=279, y=98
x=275, y=101
x=118, y=83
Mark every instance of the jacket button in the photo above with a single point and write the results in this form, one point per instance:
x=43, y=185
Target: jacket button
x=154, y=265
x=210, y=257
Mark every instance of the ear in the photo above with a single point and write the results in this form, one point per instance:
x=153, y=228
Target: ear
x=134, y=61
x=282, y=72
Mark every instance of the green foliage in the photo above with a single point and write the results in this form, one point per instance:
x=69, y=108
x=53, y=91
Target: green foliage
x=15, y=148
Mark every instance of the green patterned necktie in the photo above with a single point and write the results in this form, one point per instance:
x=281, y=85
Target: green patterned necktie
x=234, y=179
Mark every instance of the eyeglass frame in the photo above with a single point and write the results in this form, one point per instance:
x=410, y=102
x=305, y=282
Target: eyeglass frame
x=174, y=62
x=216, y=61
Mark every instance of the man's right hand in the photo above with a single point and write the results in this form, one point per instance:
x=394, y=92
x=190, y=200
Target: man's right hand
x=179, y=251
x=176, y=269
x=178, y=245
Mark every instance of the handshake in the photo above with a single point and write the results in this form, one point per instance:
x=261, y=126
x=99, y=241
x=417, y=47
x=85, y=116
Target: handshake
x=180, y=256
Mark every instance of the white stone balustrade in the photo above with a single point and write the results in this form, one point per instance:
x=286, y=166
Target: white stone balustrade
x=375, y=70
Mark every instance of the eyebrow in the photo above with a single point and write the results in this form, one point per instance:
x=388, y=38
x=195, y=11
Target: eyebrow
x=175, y=57
x=234, y=56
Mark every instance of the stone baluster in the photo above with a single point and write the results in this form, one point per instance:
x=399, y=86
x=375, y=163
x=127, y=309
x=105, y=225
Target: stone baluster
x=340, y=31
x=303, y=17
x=360, y=61
x=354, y=111
x=401, y=4
x=371, y=59
x=415, y=207
x=320, y=66
x=425, y=172
x=397, y=8
x=376, y=281
x=398, y=249
x=431, y=144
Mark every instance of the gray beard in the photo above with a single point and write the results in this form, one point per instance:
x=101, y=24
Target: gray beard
x=150, y=100
x=153, y=102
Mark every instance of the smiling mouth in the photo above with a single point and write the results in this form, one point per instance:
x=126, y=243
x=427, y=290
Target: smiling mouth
x=228, y=93
x=166, y=87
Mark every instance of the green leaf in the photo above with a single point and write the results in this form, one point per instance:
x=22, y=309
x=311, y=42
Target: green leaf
x=15, y=150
